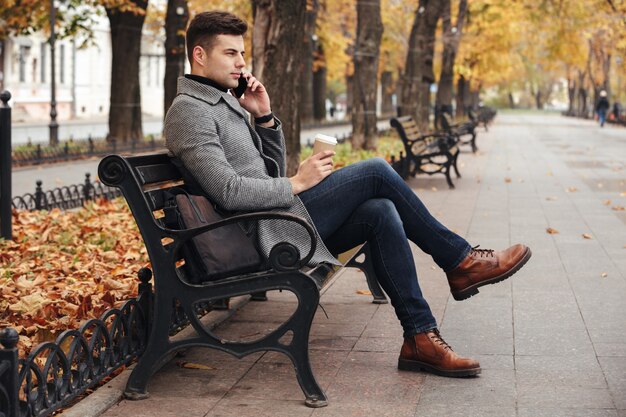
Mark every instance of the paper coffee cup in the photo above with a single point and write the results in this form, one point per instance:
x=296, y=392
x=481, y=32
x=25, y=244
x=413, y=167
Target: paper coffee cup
x=324, y=143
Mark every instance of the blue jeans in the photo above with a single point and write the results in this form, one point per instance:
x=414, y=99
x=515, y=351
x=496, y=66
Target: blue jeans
x=602, y=116
x=369, y=202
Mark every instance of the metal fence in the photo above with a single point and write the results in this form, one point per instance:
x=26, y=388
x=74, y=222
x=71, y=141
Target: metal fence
x=55, y=373
x=72, y=150
x=66, y=197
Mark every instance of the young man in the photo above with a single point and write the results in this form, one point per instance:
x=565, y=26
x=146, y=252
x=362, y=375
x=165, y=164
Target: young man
x=602, y=107
x=241, y=167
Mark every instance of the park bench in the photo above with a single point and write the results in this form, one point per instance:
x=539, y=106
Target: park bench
x=465, y=132
x=144, y=181
x=430, y=153
x=485, y=116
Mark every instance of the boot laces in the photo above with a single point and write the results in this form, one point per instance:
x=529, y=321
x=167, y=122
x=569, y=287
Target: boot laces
x=481, y=252
x=436, y=337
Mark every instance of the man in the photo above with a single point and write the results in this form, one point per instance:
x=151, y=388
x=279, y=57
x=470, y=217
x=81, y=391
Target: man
x=602, y=107
x=241, y=167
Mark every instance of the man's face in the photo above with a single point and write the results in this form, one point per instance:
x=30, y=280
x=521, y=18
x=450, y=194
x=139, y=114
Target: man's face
x=223, y=62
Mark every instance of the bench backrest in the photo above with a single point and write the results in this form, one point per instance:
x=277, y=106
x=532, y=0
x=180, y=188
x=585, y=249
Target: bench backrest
x=409, y=133
x=144, y=181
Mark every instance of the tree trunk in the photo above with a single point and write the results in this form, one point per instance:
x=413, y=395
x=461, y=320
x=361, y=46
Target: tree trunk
x=475, y=97
x=125, y=102
x=306, y=101
x=511, y=100
x=461, y=86
x=319, y=87
x=419, y=63
x=451, y=39
x=582, y=94
x=571, y=95
x=277, y=51
x=349, y=95
x=175, y=24
x=539, y=99
x=366, y=53
x=386, y=83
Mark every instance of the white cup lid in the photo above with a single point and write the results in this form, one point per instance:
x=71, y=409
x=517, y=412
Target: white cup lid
x=326, y=139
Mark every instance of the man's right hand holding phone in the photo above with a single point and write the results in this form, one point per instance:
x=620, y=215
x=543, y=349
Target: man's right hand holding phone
x=255, y=99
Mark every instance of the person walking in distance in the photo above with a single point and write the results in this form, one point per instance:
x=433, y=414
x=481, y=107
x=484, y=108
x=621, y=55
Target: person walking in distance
x=602, y=107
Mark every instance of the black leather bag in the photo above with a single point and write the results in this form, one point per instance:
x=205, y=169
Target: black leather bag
x=219, y=253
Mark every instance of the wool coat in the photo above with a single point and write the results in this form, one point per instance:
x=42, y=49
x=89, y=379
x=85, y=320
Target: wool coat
x=240, y=168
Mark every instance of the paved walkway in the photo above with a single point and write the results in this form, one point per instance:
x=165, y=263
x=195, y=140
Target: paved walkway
x=551, y=340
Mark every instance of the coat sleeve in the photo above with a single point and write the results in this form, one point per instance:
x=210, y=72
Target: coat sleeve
x=198, y=146
x=273, y=141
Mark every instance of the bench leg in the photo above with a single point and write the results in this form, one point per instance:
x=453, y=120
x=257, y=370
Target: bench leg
x=474, y=147
x=298, y=349
x=447, y=173
x=368, y=269
x=456, y=170
x=152, y=358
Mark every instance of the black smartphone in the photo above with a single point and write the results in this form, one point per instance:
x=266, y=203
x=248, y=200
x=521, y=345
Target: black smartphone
x=241, y=88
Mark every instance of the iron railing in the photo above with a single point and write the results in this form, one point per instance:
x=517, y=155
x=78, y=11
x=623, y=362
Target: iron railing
x=66, y=197
x=72, y=150
x=55, y=373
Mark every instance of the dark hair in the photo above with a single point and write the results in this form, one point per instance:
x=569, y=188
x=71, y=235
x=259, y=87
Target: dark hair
x=205, y=26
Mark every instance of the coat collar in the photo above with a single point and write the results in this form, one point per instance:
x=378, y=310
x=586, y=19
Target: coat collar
x=208, y=94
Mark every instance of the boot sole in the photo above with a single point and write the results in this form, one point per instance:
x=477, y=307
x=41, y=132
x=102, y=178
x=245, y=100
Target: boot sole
x=414, y=366
x=473, y=289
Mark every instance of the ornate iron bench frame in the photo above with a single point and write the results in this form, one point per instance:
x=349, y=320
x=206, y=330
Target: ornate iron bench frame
x=143, y=180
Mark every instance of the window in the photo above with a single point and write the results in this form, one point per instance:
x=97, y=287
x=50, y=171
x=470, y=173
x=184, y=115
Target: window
x=24, y=50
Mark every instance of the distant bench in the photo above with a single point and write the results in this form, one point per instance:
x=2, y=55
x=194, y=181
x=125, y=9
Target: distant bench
x=144, y=181
x=430, y=153
x=462, y=130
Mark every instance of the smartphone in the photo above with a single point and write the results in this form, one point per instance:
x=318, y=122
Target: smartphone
x=241, y=88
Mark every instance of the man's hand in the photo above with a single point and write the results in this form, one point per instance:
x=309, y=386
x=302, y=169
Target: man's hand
x=312, y=171
x=255, y=99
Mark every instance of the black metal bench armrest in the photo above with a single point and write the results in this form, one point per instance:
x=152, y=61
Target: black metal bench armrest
x=183, y=235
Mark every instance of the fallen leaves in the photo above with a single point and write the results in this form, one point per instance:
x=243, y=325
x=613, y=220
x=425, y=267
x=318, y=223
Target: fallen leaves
x=507, y=180
x=551, y=231
x=604, y=275
x=364, y=292
x=571, y=189
x=587, y=236
x=618, y=208
x=65, y=267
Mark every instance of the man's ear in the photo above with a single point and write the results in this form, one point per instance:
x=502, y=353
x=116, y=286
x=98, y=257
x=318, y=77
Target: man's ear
x=198, y=55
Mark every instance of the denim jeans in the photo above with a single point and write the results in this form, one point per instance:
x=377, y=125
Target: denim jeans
x=602, y=116
x=369, y=202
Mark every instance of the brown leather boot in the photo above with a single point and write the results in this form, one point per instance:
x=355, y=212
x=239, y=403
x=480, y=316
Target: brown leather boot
x=485, y=266
x=429, y=352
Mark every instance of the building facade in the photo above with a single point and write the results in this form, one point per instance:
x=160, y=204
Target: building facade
x=83, y=75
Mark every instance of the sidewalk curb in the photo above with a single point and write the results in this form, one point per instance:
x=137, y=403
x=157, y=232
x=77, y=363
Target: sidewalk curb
x=106, y=396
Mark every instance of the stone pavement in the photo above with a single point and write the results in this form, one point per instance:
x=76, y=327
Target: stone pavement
x=551, y=340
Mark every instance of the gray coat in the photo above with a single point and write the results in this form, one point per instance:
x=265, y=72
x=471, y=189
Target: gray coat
x=240, y=168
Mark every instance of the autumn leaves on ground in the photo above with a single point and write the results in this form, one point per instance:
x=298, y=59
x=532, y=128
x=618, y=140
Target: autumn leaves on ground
x=65, y=267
